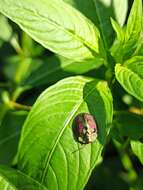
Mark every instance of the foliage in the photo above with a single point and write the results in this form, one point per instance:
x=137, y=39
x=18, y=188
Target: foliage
x=60, y=58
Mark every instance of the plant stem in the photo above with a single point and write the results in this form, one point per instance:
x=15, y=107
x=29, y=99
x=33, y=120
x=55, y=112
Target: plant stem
x=16, y=46
x=20, y=106
x=136, y=110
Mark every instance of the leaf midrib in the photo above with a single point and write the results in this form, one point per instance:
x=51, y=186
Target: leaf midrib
x=87, y=44
x=48, y=158
x=132, y=73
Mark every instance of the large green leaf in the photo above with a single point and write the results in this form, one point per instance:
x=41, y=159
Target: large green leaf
x=55, y=68
x=123, y=49
x=130, y=76
x=137, y=148
x=134, y=24
x=100, y=11
x=67, y=33
x=9, y=135
x=48, y=151
x=11, y=179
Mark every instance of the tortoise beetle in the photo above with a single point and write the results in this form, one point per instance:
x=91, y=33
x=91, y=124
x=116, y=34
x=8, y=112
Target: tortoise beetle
x=85, y=128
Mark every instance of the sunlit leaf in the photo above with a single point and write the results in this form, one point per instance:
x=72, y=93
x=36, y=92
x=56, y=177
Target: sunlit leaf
x=52, y=154
x=45, y=22
x=100, y=11
x=137, y=148
x=130, y=76
x=123, y=49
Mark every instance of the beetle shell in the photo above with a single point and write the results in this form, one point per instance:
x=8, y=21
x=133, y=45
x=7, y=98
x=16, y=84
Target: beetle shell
x=85, y=128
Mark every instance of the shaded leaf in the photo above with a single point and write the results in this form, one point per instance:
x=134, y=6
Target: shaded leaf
x=11, y=179
x=137, y=148
x=130, y=76
x=9, y=135
x=138, y=184
x=55, y=68
x=51, y=155
x=45, y=22
x=18, y=69
x=109, y=172
x=30, y=47
x=127, y=124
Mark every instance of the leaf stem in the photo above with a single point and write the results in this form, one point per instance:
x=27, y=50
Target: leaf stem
x=19, y=106
x=136, y=110
x=16, y=46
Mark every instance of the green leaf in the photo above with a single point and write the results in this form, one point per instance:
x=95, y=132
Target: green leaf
x=118, y=30
x=6, y=30
x=134, y=24
x=29, y=47
x=4, y=184
x=120, y=10
x=107, y=173
x=52, y=155
x=18, y=69
x=100, y=11
x=138, y=184
x=137, y=148
x=70, y=34
x=11, y=179
x=9, y=135
x=130, y=76
x=127, y=124
x=123, y=49
x=55, y=68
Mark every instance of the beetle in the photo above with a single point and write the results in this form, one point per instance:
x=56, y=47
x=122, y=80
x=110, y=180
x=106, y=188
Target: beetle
x=85, y=129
